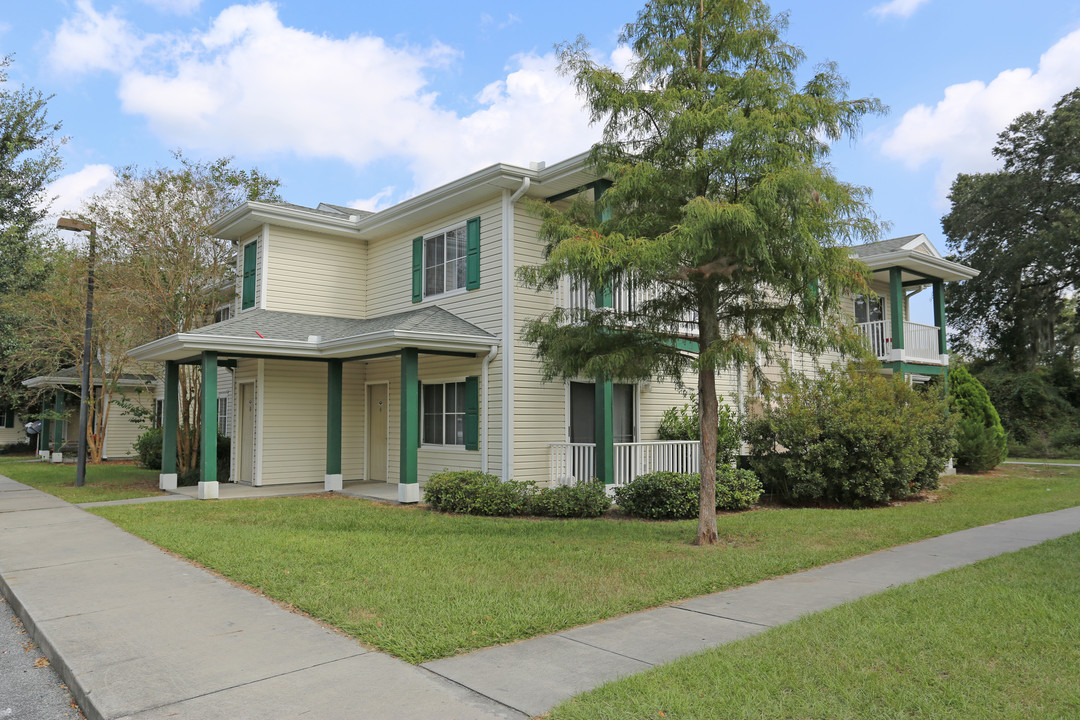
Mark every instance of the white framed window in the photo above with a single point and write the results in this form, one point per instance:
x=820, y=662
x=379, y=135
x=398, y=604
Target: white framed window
x=443, y=413
x=223, y=313
x=868, y=309
x=223, y=416
x=445, y=267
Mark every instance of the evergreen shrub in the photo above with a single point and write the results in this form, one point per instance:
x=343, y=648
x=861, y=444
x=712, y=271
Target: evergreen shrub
x=683, y=423
x=584, y=500
x=982, y=443
x=475, y=493
x=676, y=496
x=148, y=449
x=851, y=436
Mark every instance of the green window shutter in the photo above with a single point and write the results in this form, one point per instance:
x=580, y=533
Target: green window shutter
x=472, y=253
x=250, y=259
x=418, y=269
x=472, y=413
x=9, y=419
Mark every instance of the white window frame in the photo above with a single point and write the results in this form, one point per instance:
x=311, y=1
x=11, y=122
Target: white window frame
x=223, y=427
x=463, y=227
x=224, y=310
x=442, y=423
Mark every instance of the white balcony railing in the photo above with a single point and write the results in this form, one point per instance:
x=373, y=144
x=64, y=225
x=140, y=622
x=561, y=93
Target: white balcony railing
x=920, y=341
x=573, y=462
x=577, y=298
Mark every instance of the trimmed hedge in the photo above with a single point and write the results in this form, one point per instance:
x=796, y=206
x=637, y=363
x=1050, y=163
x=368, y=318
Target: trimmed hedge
x=474, y=493
x=676, y=496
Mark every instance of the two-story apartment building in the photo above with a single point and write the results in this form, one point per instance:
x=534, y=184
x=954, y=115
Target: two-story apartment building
x=386, y=346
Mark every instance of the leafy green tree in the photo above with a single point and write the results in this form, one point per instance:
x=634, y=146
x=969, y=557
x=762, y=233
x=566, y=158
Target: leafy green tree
x=154, y=224
x=29, y=160
x=1020, y=227
x=981, y=438
x=724, y=217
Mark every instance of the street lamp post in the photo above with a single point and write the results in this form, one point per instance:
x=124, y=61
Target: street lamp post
x=81, y=226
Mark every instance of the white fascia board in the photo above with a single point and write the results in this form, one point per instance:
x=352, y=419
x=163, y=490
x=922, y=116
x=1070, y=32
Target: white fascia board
x=925, y=264
x=245, y=219
x=183, y=345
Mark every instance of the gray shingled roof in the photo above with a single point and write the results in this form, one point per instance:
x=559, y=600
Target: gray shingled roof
x=76, y=373
x=343, y=210
x=275, y=325
x=883, y=246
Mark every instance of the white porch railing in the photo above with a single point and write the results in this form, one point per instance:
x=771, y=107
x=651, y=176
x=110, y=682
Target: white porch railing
x=920, y=341
x=573, y=462
x=577, y=298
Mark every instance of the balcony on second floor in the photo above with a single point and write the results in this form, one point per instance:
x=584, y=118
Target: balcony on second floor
x=623, y=298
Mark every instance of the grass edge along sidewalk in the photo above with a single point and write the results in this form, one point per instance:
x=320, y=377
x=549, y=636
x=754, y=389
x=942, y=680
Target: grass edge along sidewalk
x=104, y=481
x=422, y=585
x=996, y=639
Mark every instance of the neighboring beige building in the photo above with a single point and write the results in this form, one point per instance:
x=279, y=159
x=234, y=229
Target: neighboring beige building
x=387, y=346
x=12, y=428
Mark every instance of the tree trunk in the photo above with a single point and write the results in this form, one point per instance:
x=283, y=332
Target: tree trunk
x=708, y=332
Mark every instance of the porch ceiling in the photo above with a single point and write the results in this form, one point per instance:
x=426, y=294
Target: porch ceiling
x=268, y=333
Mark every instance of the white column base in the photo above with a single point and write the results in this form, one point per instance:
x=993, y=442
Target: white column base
x=332, y=483
x=43, y=454
x=167, y=481
x=950, y=468
x=897, y=355
x=408, y=492
x=208, y=490
x=57, y=457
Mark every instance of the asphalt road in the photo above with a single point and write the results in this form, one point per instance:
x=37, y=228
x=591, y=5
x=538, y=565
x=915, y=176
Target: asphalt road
x=29, y=688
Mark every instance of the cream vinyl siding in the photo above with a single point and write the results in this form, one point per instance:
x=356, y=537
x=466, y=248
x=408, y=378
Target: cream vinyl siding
x=390, y=270
x=293, y=422
x=123, y=429
x=539, y=407
x=656, y=398
x=16, y=434
x=316, y=274
x=436, y=369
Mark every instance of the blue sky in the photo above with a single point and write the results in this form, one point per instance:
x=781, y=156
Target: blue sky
x=368, y=103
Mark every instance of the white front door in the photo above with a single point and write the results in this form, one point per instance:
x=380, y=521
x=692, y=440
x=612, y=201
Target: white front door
x=378, y=407
x=245, y=456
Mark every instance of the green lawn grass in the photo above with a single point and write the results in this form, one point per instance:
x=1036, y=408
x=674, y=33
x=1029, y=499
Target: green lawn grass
x=1047, y=461
x=107, y=481
x=423, y=585
x=997, y=639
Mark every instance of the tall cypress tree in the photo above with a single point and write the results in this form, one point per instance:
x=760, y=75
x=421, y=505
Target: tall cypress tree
x=723, y=213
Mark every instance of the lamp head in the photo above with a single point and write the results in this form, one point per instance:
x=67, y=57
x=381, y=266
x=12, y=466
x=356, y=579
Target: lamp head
x=74, y=225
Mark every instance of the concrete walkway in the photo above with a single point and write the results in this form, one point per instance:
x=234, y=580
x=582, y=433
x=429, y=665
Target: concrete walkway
x=137, y=633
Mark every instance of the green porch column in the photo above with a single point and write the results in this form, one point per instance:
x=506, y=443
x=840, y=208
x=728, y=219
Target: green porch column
x=58, y=427
x=170, y=415
x=939, y=316
x=605, y=431
x=408, y=488
x=896, y=312
x=332, y=481
x=208, y=484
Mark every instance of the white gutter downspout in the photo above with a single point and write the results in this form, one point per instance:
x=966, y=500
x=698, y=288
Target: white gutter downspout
x=484, y=407
x=508, y=201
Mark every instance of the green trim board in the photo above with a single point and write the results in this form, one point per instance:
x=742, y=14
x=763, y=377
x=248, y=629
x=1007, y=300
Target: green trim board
x=208, y=436
x=333, y=417
x=170, y=414
x=908, y=368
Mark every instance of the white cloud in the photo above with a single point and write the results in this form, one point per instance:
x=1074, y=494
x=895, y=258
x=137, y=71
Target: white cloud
x=251, y=85
x=71, y=191
x=377, y=201
x=178, y=7
x=90, y=41
x=960, y=131
x=898, y=8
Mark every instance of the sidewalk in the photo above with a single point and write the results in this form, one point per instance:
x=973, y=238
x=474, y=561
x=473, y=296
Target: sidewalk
x=137, y=633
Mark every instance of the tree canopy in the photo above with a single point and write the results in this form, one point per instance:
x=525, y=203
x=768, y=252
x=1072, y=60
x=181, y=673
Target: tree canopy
x=1020, y=227
x=29, y=160
x=723, y=218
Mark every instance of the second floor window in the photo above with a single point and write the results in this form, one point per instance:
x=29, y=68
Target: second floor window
x=444, y=262
x=868, y=310
x=223, y=313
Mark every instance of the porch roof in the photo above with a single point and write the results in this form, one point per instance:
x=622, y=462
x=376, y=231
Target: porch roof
x=269, y=333
x=916, y=255
x=73, y=376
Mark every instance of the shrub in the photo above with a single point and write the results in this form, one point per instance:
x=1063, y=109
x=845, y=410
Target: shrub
x=476, y=493
x=148, y=449
x=660, y=496
x=676, y=496
x=981, y=438
x=25, y=447
x=585, y=499
x=851, y=436
x=682, y=423
x=736, y=489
